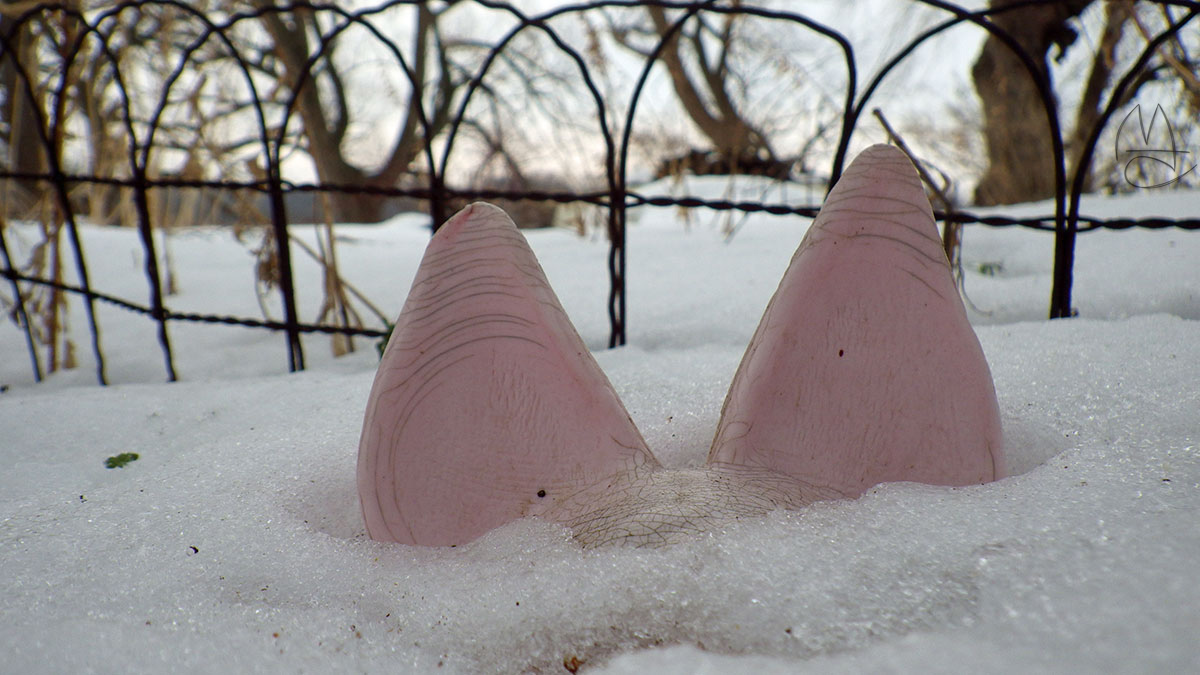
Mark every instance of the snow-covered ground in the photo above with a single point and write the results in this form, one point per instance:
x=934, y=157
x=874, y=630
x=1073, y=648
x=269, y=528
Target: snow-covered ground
x=234, y=543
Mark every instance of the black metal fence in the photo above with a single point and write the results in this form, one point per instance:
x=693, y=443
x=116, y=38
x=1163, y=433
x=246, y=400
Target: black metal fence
x=92, y=32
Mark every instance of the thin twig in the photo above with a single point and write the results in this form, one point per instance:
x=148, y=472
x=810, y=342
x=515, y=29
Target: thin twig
x=951, y=231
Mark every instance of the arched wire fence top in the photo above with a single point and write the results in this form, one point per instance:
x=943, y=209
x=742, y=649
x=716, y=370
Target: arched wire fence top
x=1115, y=98
x=694, y=9
x=272, y=116
x=220, y=31
x=981, y=18
x=326, y=41
x=539, y=21
x=49, y=129
x=92, y=29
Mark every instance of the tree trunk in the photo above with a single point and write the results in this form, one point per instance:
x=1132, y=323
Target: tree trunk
x=1117, y=14
x=1017, y=135
x=707, y=101
x=26, y=153
x=326, y=124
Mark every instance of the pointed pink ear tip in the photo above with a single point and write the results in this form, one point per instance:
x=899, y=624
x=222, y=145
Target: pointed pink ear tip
x=865, y=368
x=471, y=216
x=486, y=406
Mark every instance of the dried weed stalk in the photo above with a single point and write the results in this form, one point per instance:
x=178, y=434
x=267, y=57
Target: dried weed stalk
x=46, y=310
x=338, y=295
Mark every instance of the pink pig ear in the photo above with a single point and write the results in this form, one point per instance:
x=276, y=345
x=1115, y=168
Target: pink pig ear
x=864, y=368
x=487, y=406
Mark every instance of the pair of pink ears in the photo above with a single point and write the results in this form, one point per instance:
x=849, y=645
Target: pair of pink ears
x=487, y=406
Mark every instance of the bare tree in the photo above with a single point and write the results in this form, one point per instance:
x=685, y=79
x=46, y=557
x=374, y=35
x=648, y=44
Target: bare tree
x=1173, y=73
x=1020, y=167
x=1017, y=140
x=33, y=47
x=325, y=105
x=698, y=57
x=1117, y=15
x=18, y=114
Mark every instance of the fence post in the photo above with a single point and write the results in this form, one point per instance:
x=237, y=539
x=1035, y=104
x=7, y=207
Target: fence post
x=157, y=309
x=22, y=315
x=286, y=283
x=1064, y=263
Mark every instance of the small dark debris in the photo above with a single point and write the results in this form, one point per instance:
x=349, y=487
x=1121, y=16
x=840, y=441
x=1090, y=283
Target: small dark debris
x=3, y=388
x=192, y=550
x=990, y=269
x=541, y=494
x=1166, y=480
x=82, y=498
x=841, y=353
x=572, y=663
x=119, y=461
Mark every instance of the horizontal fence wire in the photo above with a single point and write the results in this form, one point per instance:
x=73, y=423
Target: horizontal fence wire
x=219, y=30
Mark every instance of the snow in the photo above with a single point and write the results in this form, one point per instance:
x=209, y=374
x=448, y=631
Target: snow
x=234, y=542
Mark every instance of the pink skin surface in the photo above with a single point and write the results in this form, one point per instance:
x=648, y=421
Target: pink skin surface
x=864, y=368
x=487, y=407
